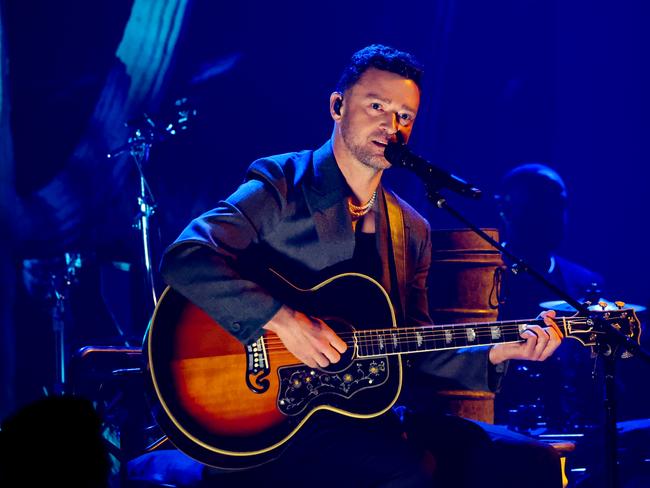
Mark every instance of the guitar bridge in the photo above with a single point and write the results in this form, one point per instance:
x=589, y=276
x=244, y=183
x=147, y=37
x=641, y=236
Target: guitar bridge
x=257, y=366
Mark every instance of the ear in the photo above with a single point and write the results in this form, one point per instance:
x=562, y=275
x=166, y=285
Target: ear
x=336, y=105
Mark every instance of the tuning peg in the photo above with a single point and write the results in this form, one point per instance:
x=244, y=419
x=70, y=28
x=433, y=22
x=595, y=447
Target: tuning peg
x=602, y=305
x=620, y=305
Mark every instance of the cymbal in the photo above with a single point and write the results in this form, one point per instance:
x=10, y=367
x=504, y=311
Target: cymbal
x=562, y=306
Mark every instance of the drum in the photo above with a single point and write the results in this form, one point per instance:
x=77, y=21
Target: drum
x=464, y=277
x=464, y=287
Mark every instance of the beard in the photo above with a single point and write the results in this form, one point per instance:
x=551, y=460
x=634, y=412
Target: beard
x=364, y=151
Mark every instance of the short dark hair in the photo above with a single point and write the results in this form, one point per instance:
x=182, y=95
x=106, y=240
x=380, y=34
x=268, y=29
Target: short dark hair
x=380, y=57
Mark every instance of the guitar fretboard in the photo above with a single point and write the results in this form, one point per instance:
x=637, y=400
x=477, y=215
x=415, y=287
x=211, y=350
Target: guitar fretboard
x=382, y=342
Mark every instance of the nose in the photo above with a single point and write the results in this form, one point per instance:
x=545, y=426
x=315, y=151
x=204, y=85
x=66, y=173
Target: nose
x=391, y=122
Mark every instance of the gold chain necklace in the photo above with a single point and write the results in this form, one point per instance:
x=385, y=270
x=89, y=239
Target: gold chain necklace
x=358, y=211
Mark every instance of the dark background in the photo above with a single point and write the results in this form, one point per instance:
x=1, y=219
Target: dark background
x=558, y=82
x=564, y=83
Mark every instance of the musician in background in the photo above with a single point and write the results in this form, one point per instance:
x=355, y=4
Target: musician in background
x=320, y=213
x=533, y=196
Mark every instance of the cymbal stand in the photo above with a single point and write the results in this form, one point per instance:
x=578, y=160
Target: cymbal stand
x=60, y=293
x=139, y=148
x=145, y=132
x=146, y=208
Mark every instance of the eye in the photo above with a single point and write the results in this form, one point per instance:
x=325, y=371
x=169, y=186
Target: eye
x=375, y=106
x=405, y=119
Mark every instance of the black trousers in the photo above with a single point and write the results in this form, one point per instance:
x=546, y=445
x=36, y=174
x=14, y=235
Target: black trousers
x=423, y=451
x=336, y=451
x=475, y=454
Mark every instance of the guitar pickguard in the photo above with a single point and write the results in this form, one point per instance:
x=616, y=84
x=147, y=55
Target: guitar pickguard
x=299, y=385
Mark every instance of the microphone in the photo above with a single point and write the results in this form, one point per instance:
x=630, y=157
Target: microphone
x=398, y=154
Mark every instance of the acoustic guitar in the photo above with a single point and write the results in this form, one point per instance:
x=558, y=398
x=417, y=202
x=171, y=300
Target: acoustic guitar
x=234, y=406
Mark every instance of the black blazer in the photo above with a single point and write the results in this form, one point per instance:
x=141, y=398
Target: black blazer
x=290, y=214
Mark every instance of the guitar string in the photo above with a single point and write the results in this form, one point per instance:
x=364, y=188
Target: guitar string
x=388, y=334
x=366, y=339
x=439, y=331
x=453, y=328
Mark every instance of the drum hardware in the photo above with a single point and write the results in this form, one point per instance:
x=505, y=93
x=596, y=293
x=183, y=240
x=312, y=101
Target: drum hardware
x=532, y=414
x=600, y=304
x=608, y=341
x=61, y=283
x=145, y=132
x=115, y=378
x=113, y=375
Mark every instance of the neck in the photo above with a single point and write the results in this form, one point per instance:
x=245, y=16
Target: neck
x=408, y=340
x=362, y=179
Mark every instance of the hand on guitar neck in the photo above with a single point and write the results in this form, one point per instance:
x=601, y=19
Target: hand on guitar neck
x=313, y=342
x=309, y=339
x=541, y=342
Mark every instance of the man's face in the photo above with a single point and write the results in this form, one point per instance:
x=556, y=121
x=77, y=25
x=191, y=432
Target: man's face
x=378, y=105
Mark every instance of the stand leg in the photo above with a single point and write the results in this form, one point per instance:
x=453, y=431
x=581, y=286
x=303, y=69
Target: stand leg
x=58, y=326
x=609, y=367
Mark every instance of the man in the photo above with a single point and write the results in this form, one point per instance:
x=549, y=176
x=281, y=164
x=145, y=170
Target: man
x=318, y=213
x=533, y=196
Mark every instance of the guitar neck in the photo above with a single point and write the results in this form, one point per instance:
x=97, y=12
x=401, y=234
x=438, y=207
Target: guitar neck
x=407, y=340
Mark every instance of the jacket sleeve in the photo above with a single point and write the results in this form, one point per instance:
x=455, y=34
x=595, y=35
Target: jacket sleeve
x=466, y=368
x=204, y=262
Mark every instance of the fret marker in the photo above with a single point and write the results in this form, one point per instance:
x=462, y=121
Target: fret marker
x=523, y=328
x=381, y=343
x=448, y=336
x=495, y=331
x=418, y=337
x=471, y=334
x=394, y=340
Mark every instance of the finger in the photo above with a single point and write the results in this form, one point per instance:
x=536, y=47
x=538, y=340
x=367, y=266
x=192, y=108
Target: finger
x=309, y=362
x=549, y=320
x=339, y=344
x=555, y=336
x=529, y=345
x=545, y=313
x=336, y=342
x=542, y=340
x=331, y=354
x=322, y=361
x=553, y=343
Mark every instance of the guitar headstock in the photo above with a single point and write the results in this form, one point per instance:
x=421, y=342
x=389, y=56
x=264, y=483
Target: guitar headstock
x=592, y=328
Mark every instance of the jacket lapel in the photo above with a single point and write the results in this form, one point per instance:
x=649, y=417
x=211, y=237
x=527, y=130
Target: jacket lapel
x=383, y=240
x=326, y=196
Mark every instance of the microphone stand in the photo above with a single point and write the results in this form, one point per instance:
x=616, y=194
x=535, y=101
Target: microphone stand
x=607, y=344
